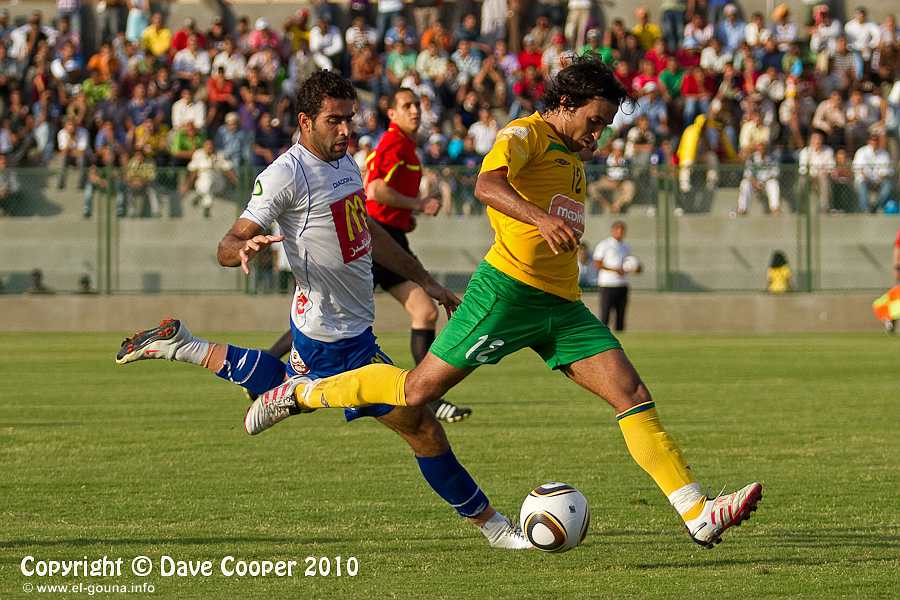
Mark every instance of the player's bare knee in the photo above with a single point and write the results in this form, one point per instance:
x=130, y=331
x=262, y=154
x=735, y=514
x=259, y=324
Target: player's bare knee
x=419, y=392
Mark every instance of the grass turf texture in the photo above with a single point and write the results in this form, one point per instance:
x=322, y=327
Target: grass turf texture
x=152, y=459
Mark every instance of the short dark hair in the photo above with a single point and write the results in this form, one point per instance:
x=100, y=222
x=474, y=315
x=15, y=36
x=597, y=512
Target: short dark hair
x=582, y=81
x=321, y=85
x=392, y=101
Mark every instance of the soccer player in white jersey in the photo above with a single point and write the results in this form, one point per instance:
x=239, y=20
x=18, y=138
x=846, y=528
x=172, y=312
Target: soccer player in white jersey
x=315, y=193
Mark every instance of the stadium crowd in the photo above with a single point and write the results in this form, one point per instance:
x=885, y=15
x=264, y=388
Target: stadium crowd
x=711, y=84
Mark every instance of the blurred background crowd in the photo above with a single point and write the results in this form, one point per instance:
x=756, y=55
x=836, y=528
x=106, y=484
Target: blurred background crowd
x=118, y=84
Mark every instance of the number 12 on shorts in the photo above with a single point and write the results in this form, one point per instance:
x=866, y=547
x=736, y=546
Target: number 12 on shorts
x=482, y=356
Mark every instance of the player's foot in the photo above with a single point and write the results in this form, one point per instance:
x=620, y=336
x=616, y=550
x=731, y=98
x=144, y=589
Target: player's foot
x=160, y=342
x=274, y=406
x=723, y=512
x=501, y=533
x=449, y=412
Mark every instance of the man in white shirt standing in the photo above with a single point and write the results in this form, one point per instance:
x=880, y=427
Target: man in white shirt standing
x=609, y=258
x=872, y=168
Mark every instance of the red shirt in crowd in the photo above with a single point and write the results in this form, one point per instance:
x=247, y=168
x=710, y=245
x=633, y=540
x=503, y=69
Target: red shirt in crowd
x=219, y=91
x=530, y=59
x=395, y=161
x=180, y=39
x=897, y=241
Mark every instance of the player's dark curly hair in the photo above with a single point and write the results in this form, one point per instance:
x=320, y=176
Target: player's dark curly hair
x=583, y=80
x=321, y=85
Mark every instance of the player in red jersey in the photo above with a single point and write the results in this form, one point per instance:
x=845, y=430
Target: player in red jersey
x=393, y=175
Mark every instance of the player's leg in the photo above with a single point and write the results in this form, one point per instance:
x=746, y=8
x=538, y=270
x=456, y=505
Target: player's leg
x=621, y=304
x=448, y=478
x=423, y=314
x=588, y=353
x=611, y=376
x=251, y=369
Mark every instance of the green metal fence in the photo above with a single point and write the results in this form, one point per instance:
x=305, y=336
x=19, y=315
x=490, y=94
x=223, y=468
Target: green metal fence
x=121, y=234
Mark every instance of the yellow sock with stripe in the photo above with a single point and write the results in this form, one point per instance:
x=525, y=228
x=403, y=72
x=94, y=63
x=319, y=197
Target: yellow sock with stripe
x=656, y=452
x=372, y=384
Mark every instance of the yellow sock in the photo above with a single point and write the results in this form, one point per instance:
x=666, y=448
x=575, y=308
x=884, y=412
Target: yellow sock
x=656, y=452
x=372, y=384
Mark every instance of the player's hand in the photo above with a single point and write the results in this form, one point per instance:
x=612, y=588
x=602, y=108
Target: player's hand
x=254, y=245
x=431, y=206
x=558, y=235
x=444, y=297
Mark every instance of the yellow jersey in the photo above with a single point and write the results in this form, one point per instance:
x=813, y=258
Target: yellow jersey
x=549, y=175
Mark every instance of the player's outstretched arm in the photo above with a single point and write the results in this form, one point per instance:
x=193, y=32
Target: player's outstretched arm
x=241, y=244
x=492, y=189
x=388, y=253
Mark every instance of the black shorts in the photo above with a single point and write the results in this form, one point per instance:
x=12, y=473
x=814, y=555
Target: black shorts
x=382, y=276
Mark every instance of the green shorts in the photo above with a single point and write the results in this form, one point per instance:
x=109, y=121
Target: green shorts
x=500, y=315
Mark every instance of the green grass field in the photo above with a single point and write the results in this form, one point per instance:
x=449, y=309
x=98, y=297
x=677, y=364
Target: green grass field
x=151, y=459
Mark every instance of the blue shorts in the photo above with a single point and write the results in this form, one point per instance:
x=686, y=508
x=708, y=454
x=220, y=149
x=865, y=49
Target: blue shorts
x=314, y=359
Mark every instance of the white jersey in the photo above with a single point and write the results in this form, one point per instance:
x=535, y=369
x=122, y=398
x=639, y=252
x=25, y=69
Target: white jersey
x=612, y=252
x=320, y=208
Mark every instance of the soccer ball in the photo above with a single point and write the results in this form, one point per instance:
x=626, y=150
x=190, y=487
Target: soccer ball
x=555, y=517
x=631, y=264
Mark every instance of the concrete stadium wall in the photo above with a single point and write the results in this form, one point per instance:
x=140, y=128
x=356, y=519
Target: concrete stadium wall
x=648, y=311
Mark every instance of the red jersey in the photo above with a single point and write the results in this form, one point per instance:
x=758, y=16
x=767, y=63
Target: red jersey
x=394, y=160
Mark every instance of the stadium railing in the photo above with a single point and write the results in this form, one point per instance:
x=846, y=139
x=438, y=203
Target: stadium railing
x=683, y=225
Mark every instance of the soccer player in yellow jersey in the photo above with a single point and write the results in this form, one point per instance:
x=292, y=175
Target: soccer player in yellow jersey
x=525, y=294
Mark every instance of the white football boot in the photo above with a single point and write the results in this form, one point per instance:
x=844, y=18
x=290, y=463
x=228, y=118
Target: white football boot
x=160, y=342
x=723, y=512
x=275, y=405
x=501, y=533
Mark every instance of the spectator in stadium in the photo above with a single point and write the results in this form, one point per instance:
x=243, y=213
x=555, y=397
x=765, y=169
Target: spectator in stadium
x=552, y=56
x=326, y=44
x=188, y=109
x=469, y=62
x=615, y=184
x=190, y=60
x=831, y=119
x=756, y=33
x=156, y=38
x=754, y=132
x=778, y=275
x=577, y=19
x=646, y=32
x=228, y=58
x=209, y=173
x=185, y=141
x=138, y=20
x=843, y=195
x=263, y=36
x=400, y=62
x=695, y=94
x=673, y=14
x=9, y=186
x=221, y=98
x=37, y=284
x=484, y=131
x=594, y=46
x=269, y=141
x=816, y=164
x=73, y=144
x=698, y=33
x=823, y=35
x=140, y=180
x=862, y=38
x=233, y=142
x=731, y=31
x=760, y=178
x=103, y=176
x=860, y=116
x=874, y=171
x=181, y=37
x=784, y=31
